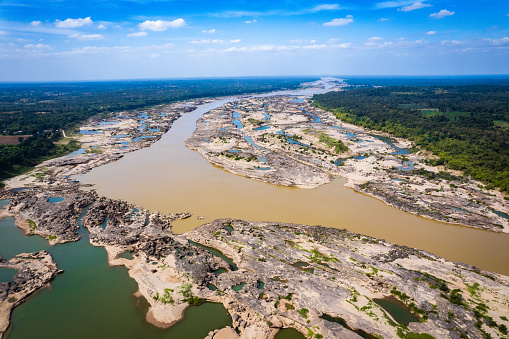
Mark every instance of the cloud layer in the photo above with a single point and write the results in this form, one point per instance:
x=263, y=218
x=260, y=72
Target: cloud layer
x=340, y=22
x=161, y=25
x=73, y=23
x=442, y=14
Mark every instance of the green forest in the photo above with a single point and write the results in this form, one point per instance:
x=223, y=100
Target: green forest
x=43, y=110
x=467, y=127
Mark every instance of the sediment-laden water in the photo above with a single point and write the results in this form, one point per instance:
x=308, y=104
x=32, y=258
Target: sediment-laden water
x=169, y=177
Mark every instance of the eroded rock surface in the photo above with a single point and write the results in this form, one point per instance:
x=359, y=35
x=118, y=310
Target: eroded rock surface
x=35, y=270
x=49, y=213
x=314, y=279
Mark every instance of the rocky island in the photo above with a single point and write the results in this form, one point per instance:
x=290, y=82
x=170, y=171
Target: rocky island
x=283, y=140
x=34, y=271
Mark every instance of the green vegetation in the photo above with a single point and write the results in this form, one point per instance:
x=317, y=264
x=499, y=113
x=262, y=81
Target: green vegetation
x=254, y=121
x=472, y=289
x=454, y=297
x=238, y=157
x=166, y=298
x=465, y=126
x=339, y=146
x=411, y=335
x=303, y=312
x=189, y=297
x=18, y=159
x=319, y=257
x=402, y=295
x=32, y=225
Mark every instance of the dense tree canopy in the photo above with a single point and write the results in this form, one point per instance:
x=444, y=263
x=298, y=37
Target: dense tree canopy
x=466, y=126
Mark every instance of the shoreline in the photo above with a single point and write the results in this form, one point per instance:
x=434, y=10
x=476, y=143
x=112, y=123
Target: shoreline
x=282, y=148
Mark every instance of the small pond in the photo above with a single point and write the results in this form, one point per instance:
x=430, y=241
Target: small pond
x=399, y=311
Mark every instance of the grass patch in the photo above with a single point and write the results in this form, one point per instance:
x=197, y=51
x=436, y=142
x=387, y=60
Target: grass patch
x=339, y=146
x=303, y=312
x=32, y=225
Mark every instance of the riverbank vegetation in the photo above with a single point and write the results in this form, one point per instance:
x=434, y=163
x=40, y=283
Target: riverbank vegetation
x=43, y=110
x=17, y=159
x=467, y=127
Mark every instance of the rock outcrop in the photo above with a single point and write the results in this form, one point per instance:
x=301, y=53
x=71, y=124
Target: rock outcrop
x=35, y=270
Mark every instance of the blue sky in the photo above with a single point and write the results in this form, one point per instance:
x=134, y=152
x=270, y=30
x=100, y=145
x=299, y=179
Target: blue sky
x=107, y=39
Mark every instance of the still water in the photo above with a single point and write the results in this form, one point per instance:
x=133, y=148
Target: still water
x=91, y=299
x=169, y=177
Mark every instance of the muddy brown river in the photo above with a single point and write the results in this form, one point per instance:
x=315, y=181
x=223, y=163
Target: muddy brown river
x=169, y=177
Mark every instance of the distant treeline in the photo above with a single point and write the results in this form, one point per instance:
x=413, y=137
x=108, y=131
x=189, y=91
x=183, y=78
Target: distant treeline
x=466, y=126
x=32, y=108
x=43, y=110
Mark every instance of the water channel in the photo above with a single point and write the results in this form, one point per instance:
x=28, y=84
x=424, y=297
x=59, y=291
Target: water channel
x=169, y=177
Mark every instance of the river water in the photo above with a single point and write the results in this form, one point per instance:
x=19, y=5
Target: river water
x=169, y=177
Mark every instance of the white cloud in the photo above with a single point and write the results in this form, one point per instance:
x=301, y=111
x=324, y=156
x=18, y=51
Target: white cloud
x=137, y=34
x=451, y=43
x=340, y=22
x=35, y=23
x=101, y=26
x=250, y=21
x=212, y=31
x=431, y=33
x=38, y=46
x=375, y=38
x=383, y=19
x=120, y=49
x=272, y=48
x=86, y=37
x=3, y=33
x=325, y=7
x=304, y=41
x=497, y=42
x=162, y=25
x=442, y=14
x=73, y=23
x=156, y=55
x=391, y=4
x=414, y=6
x=215, y=41
x=204, y=41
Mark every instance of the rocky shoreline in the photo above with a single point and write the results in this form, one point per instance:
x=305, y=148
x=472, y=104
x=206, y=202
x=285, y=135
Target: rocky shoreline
x=285, y=141
x=106, y=140
x=34, y=271
x=324, y=282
